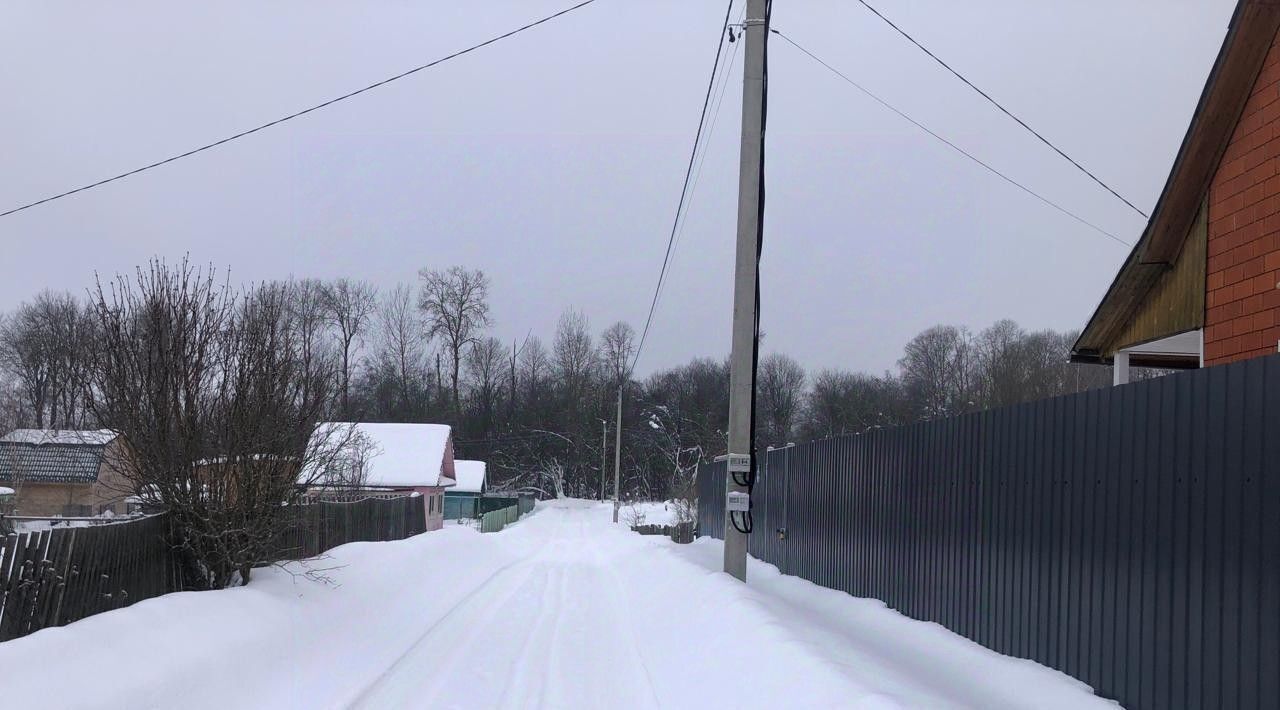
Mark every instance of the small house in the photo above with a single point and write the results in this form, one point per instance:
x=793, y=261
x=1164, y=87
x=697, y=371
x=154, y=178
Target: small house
x=64, y=472
x=461, y=501
x=383, y=458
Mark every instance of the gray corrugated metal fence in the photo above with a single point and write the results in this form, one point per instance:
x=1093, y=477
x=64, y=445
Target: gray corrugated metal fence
x=1128, y=536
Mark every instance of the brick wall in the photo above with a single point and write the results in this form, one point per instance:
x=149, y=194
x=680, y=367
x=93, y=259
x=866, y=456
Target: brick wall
x=1242, y=301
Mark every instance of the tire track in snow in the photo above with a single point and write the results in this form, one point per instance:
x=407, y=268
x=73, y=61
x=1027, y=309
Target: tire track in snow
x=619, y=592
x=524, y=657
x=487, y=596
x=490, y=596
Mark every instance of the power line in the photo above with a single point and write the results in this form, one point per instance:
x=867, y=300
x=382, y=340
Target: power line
x=725, y=77
x=684, y=190
x=303, y=112
x=953, y=146
x=1004, y=110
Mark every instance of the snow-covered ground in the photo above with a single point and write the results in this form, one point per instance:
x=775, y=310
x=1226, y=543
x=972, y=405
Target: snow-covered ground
x=560, y=610
x=645, y=513
x=58, y=521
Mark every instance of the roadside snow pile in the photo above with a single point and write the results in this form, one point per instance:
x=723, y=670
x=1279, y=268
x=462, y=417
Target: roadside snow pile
x=645, y=513
x=282, y=641
x=563, y=609
x=57, y=521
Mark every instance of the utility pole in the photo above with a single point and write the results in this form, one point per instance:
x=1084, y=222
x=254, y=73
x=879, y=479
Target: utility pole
x=742, y=376
x=604, y=452
x=617, y=455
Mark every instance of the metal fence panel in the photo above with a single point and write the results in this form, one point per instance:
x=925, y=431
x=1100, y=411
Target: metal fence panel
x=1127, y=536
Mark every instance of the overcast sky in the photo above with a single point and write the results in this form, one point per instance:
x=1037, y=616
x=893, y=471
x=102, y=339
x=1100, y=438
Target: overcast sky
x=553, y=160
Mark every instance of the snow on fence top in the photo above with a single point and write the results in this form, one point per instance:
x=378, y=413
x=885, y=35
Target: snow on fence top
x=470, y=476
x=96, y=437
x=392, y=454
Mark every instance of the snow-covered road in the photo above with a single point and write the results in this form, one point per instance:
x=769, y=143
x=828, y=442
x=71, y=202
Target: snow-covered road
x=561, y=610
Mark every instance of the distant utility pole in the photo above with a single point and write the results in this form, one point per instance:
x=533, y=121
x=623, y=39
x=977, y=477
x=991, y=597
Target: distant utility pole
x=617, y=455
x=604, y=452
x=742, y=375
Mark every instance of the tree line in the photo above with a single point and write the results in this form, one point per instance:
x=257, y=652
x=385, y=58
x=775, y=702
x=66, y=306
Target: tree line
x=540, y=412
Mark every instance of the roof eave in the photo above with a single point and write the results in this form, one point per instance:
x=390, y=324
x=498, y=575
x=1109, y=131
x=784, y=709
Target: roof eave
x=1226, y=91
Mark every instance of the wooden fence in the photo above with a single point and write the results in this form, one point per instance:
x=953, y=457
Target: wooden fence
x=678, y=532
x=495, y=520
x=322, y=526
x=54, y=577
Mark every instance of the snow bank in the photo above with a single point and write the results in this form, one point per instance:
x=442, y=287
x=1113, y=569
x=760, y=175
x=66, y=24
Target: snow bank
x=647, y=512
x=283, y=641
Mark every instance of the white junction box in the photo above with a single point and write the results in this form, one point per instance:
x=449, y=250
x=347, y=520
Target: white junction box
x=737, y=502
x=737, y=463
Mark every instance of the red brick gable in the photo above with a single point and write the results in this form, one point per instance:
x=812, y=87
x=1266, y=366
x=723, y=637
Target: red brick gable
x=1242, y=301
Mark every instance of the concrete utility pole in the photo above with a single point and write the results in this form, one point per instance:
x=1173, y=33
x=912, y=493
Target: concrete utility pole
x=604, y=453
x=617, y=455
x=742, y=374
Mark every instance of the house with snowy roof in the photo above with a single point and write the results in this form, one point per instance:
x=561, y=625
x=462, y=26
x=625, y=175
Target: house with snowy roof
x=462, y=500
x=65, y=472
x=415, y=458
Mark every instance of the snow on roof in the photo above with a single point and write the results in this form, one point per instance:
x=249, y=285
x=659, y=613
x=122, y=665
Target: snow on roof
x=470, y=476
x=398, y=454
x=96, y=437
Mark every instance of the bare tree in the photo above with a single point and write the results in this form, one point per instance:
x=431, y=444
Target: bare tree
x=780, y=396
x=349, y=305
x=352, y=459
x=403, y=343
x=43, y=347
x=456, y=306
x=309, y=324
x=218, y=407
x=534, y=377
x=617, y=347
x=938, y=372
x=575, y=357
x=12, y=412
x=851, y=403
x=484, y=363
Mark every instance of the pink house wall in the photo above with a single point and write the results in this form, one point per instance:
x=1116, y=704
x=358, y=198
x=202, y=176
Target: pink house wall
x=433, y=504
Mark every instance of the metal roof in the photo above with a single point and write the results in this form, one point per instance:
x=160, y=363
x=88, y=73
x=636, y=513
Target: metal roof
x=50, y=463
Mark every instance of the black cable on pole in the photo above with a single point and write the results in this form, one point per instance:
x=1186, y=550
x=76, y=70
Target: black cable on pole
x=303, y=112
x=1003, y=110
x=684, y=191
x=953, y=146
x=749, y=481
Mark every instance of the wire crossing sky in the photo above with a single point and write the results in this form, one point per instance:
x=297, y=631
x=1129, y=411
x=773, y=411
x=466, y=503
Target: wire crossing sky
x=552, y=162
x=953, y=146
x=684, y=189
x=1003, y=110
x=303, y=112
